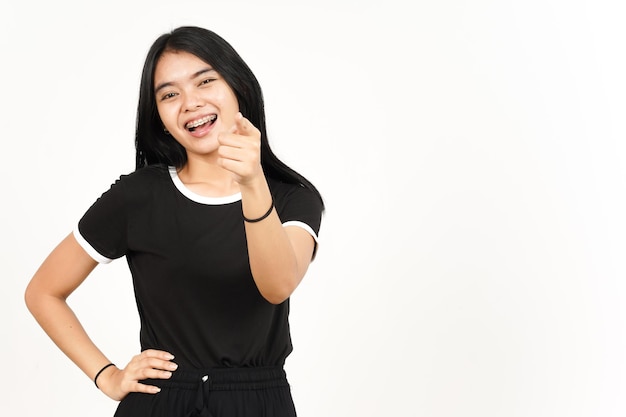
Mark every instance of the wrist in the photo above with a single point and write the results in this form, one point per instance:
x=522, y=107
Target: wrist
x=257, y=200
x=102, y=370
x=255, y=183
x=262, y=217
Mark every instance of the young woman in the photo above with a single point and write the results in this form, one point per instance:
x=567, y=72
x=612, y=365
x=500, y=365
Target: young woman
x=217, y=232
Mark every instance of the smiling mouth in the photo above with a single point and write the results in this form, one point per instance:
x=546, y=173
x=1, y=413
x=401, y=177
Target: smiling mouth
x=191, y=126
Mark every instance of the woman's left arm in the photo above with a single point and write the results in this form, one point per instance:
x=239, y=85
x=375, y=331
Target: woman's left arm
x=279, y=256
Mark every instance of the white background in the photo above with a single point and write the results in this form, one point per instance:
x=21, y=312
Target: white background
x=472, y=158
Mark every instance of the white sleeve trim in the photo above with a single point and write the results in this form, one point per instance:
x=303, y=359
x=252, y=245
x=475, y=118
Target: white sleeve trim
x=89, y=249
x=303, y=226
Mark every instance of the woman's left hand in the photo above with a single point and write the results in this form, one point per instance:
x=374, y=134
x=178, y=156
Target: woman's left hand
x=240, y=151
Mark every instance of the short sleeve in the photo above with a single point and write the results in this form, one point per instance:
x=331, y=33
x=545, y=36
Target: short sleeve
x=102, y=231
x=300, y=207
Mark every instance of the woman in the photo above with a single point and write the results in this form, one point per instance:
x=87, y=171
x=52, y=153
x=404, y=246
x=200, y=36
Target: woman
x=217, y=232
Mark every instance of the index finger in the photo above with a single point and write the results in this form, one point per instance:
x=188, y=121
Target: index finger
x=161, y=354
x=243, y=125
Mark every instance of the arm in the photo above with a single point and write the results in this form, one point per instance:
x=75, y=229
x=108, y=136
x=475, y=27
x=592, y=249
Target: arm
x=60, y=274
x=279, y=256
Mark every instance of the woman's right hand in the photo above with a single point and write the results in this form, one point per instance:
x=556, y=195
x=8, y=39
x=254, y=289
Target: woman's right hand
x=149, y=364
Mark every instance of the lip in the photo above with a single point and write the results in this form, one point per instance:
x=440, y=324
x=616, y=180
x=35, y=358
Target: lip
x=203, y=129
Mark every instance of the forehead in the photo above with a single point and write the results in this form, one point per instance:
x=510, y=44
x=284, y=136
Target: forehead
x=177, y=66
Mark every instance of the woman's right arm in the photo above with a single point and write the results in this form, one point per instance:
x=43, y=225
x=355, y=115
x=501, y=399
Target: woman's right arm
x=67, y=266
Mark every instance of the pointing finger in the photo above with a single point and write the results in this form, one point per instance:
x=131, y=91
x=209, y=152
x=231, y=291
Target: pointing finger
x=243, y=124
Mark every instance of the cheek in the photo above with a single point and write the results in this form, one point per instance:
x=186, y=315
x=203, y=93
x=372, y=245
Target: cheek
x=229, y=107
x=166, y=115
x=227, y=98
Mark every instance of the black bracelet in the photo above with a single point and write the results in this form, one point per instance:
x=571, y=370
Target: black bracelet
x=95, y=379
x=263, y=216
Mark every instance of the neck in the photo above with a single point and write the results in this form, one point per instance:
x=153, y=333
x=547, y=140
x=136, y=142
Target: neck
x=206, y=177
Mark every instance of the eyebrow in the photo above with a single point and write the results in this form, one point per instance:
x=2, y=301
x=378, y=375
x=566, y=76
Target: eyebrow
x=194, y=75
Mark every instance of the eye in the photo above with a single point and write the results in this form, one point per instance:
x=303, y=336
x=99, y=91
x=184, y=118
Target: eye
x=207, y=81
x=167, y=96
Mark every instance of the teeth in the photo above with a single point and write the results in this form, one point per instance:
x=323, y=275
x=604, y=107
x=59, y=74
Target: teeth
x=202, y=121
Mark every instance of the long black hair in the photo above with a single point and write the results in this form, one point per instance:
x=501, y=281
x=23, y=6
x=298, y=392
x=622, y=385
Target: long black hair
x=153, y=146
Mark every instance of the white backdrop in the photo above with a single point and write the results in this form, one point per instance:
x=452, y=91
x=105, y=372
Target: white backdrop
x=472, y=158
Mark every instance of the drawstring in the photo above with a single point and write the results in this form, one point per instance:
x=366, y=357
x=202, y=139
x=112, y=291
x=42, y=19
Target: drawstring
x=203, y=381
x=202, y=398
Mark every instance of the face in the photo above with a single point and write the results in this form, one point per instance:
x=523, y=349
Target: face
x=194, y=102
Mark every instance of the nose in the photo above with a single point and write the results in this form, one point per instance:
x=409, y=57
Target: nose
x=193, y=101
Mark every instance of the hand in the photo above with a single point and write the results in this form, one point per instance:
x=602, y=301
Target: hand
x=154, y=364
x=240, y=151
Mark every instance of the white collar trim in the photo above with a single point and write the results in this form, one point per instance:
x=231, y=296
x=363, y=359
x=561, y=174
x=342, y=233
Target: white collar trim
x=200, y=198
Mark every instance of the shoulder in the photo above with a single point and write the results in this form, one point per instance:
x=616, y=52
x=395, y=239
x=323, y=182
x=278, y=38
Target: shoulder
x=150, y=173
x=288, y=194
x=142, y=179
x=283, y=190
x=136, y=186
x=296, y=203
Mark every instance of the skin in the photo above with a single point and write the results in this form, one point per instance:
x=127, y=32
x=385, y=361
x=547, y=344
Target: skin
x=223, y=159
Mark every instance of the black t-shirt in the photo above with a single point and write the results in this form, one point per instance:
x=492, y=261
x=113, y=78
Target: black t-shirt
x=189, y=262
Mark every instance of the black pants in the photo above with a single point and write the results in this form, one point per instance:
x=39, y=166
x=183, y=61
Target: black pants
x=239, y=392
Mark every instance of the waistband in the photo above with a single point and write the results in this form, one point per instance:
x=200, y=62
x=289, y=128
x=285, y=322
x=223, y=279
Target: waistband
x=224, y=379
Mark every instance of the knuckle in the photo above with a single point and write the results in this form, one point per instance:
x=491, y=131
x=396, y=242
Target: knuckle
x=137, y=387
